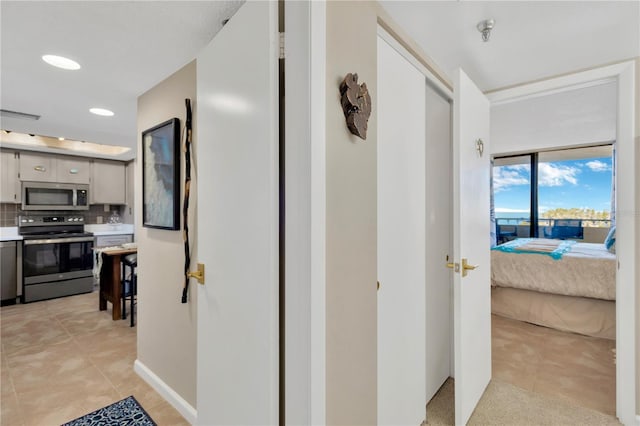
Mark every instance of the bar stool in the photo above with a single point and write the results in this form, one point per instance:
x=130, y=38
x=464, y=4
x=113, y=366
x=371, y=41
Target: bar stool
x=129, y=285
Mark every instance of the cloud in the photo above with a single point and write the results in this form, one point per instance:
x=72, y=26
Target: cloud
x=554, y=175
x=507, y=176
x=549, y=174
x=598, y=166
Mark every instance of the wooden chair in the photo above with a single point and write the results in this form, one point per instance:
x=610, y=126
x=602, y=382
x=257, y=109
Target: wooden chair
x=129, y=285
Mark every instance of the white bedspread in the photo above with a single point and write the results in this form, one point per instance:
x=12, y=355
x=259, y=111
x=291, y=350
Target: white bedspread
x=588, y=270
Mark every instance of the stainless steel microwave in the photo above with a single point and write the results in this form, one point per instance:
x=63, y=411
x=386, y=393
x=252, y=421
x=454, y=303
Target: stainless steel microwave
x=54, y=196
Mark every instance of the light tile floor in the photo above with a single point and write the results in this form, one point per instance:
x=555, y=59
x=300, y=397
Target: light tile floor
x=555, y=363
x=63, y=358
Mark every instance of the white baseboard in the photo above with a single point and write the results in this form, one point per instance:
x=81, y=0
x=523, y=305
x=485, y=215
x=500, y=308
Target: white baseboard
x=183, y=407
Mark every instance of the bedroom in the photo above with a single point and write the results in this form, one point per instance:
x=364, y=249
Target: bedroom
x=553, y=298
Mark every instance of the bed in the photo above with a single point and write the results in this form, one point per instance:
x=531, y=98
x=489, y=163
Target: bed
x=561, y=284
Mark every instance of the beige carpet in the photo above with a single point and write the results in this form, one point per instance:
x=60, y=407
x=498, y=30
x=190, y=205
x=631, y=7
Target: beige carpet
x=505, y=404
x=554, y=363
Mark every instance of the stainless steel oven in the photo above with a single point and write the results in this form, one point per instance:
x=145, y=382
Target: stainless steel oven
x=57, y=257
x=54, y=196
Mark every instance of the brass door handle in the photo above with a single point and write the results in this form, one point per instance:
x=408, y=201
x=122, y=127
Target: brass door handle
x=199, y=274
x=466, y=267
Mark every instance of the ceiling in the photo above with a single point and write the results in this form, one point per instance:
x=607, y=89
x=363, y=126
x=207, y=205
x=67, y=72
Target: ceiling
x=531, y=40
x=126, y=47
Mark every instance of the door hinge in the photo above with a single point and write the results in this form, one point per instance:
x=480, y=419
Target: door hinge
x=281, y=48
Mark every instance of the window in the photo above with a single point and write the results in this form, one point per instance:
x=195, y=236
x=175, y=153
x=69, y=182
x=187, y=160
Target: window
x=512, y=197
x=568, y=191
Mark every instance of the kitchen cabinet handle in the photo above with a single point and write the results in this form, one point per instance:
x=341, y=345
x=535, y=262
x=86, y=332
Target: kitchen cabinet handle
x=40, y=169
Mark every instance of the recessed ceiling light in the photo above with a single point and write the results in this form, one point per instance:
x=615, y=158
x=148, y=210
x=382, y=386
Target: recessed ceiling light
x=101, y=111
x=61, y=62
x=60, y=139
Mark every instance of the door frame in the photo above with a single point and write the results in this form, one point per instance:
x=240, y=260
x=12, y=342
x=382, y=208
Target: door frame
x=305, y=219
x=624, y=74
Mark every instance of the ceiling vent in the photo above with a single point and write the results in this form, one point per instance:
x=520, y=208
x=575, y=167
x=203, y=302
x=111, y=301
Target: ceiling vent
x=16, y=114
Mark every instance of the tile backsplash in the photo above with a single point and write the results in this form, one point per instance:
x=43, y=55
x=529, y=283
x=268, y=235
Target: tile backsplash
x=96, y=214
x=8, y=214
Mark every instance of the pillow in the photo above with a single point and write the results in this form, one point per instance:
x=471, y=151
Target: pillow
x=610, y=241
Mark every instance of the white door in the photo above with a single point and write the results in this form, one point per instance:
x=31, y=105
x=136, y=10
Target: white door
x=439, y=285
x=237, y=207
x=401, y=240
x=471, y=242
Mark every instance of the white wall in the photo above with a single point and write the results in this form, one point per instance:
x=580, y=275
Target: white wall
x=166, y=327
x=577, y=117
x=351, y=219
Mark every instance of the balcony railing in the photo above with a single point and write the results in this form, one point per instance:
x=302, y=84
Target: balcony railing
x=586, y=230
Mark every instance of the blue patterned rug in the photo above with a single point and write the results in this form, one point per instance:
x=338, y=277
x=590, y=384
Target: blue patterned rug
x=125, y=412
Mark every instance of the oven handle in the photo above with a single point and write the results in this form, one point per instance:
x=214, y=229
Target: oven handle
x=58, y=240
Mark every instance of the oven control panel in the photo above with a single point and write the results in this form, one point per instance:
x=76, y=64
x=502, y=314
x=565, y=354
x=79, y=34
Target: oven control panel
x=50, y=220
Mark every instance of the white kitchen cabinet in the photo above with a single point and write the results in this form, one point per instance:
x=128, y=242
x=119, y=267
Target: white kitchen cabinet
x=73, y=170
x=37, y=167
x=10, y=186
x=107, y=182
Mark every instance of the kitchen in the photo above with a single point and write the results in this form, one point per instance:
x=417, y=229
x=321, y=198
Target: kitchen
x=89, y=199
x=56, y=211
x=78, y=127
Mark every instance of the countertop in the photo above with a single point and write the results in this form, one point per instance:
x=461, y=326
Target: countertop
x=10, y=233
x=105, y=229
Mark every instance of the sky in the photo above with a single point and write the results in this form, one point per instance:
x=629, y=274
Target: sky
x=562, y=184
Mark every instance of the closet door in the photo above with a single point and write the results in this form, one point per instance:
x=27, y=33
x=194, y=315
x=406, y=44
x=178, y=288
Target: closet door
x=439, y=284
x=401, y=240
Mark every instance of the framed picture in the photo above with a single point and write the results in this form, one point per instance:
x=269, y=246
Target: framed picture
x=161, y=176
